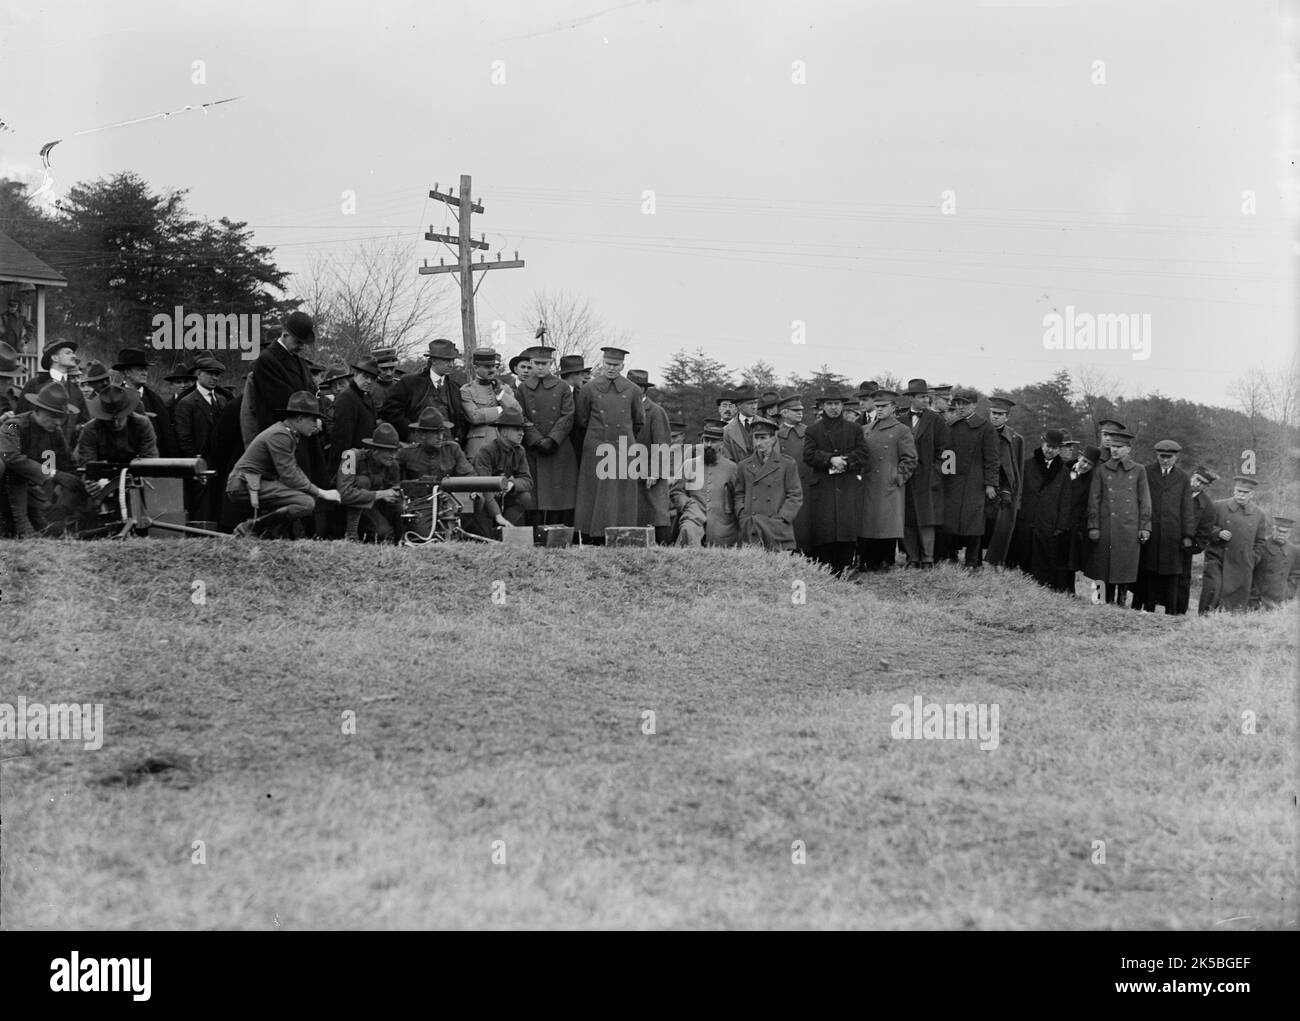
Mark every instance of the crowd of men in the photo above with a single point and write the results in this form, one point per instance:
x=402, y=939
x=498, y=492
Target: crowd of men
x=324, y=451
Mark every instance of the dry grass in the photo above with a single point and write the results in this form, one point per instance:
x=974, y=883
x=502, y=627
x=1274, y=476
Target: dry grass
x=479, y=722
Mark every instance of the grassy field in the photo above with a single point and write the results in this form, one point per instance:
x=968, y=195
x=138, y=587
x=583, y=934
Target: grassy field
x=500, y=700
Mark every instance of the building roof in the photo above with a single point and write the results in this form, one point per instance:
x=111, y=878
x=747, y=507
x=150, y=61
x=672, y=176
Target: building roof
x=18, y=265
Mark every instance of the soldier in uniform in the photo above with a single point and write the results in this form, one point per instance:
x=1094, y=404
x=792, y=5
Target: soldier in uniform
x=790, y=438
x=836, y=451
x=1001, y=523
x=891, y=462
x=939, y=397
x=1073, y=547
x=505, y=456
x=386, y=379
x=485, y=399
x=1233, y=553
x=549, y=409
x=96, y=377
x=1119, y=519
x=367, y=484
x=1173, y=528
x=610, y=411
x=656, y=436
x=923, y=512
x=1206, y=514
x=1277, y=575
x=433, y=457
x=705, y=494
x=768, y=494
x=35, y=462
x=269, y=465
x=972, y=486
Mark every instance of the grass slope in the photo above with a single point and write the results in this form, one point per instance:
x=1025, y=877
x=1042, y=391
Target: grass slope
x=480, y=721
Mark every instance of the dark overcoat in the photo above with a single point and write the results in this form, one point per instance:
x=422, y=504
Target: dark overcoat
x=836, y=499
x=1037, y=550
x=1277, y=575
x=1233, y=562
x=791, y=440
x=1172, y=517
x=891, y=461
x=607, y=409
x=1072, y=521
x=925, y=487
x=416, y=391
x=1119, y=506
x=549, y=410
x=768, y=497
x=655, y=435
x=276, y=375
x=354, y=421
x=974, y=443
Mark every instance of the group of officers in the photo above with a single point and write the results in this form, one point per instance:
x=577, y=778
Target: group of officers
x=308, y=449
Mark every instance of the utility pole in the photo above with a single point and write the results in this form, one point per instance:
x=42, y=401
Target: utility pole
x=464, y=268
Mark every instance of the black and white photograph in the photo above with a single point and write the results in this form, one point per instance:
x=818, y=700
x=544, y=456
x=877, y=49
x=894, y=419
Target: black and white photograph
x=624, y=465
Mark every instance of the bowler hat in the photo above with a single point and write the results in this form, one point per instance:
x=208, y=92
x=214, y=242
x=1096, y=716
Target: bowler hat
x=431, y=420
x=132, y=358
x=510, y=418
x=384, y=437
x=300, y=403
x=1053, y=437
x=1092, y=453
x=640, y=377
x=570, y=364
x=916, y=388
x=52, y=397
x=514, y=362
x=443, y=348
x=299, y=325
x=8, y=358
x=368, y=365
x=113, y=401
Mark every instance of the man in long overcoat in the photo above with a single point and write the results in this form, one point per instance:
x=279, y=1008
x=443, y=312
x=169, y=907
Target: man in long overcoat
x=1173, y=527
x=923, y=508
x=549, y=410
x=354, y=418
x=974, y=479
x=1206, y=513
x=768, y=494
x=1277, y=575
x=891, y=462
x=609, y=409
x=1073, y=548
x=1035, y=546
x=437, y=386
x=1119, y=518
x=836, y=451
x=655, y=436
x=790, y=437
x=1001, y=523
x=1236, y=549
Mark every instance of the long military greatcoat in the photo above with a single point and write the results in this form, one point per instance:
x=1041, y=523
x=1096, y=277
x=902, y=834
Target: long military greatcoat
x=705, y=499
x=1172, y=517
x=1230, y=566
x=836, y=499
x=549, y=410
x=607, y=409
x=654, y=435
x=791, y=439
x=974, y=443
x=925, y=487
x=1277, y=575
x=891, y=460
x=1072, y=521
x=1119, y=506
x=768, y=497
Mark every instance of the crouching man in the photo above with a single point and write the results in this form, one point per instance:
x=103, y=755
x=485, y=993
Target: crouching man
x=367, y=482
x=118, y=432
x=768, y=492
x=35, y=462
x=432, y=458
x=268, y=477
x=705, y=496
x=505, y=456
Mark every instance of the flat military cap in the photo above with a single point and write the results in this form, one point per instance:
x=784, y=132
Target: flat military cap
x=485, y=356
x=614, y=354
x=1054, y=437
x=792, y=403
x=709, y=435
x=677, y=424
x=1000, y=402
x=1205, y=473
x=715, y=424
x=1109, y=425
x=763, y=425
x=1249, y=481
x=1067, y=442
x=1121, y=437
x=1167, y=447
x=384, y=355
x=883, y=397
x=541, y=353
x=942, y=390
x=1284, y=522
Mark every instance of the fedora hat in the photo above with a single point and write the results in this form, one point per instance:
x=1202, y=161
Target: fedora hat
x=180, y=374
x=300, y=326
x=300, y=403
x=52, y=397
x=443, y=348
x=132, y=358
x=96, y=372
x=570, y=364
x=369, y=365
x=431, y=420
x=916, y=388
x=334, y=373
x=384, y=438
x=8, y=358
x=640, y=377
x=113, y=401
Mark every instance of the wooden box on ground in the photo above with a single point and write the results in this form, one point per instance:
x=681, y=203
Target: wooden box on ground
x=555, y=536
x=642, y=536
x=517, y=535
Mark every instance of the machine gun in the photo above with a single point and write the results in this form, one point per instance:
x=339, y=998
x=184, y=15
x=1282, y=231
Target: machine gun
x=421, y=496
x=141, y=505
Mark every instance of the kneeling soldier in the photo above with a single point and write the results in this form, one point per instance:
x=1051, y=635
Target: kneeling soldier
x=505, y=456
x=705, y=496
x=268, y=477
x=432, y=458
x=370, y=477
x=34, y=459
x=118, y=432
x=768, y=492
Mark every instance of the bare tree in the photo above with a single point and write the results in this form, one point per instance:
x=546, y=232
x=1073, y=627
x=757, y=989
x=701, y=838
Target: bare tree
x=572, y=327
x=371, y=296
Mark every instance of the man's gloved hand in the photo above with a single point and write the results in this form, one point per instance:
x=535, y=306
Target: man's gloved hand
x=1143, y=535
x=1094, y=534
x=1187, y=542
x=547, y=446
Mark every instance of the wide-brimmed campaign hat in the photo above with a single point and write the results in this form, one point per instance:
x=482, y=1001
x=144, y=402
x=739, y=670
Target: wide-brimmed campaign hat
x=113, y=401
x=384, y=438
x=510, y=418
x=52, y=397
x=431, y=420
x=300, y=403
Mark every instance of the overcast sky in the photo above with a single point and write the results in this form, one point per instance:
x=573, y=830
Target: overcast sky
x=775, y=201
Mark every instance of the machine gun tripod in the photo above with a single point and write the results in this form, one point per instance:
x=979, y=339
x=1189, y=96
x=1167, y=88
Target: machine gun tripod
x=421, y=496
x=140, y=505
